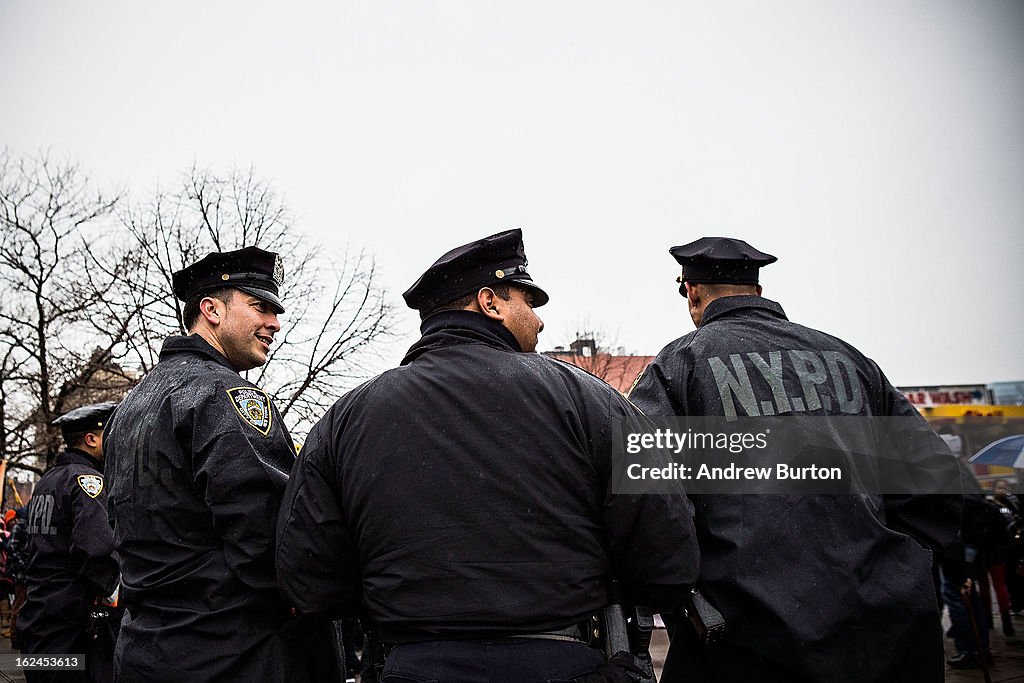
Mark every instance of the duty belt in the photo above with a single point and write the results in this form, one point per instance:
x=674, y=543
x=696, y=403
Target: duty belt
x=587, y=631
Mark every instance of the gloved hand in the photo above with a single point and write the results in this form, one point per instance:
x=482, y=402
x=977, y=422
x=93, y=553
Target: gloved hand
x=621, y=668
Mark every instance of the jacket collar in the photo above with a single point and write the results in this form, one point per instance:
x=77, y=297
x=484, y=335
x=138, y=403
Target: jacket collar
x=194, y=344
x=76, y=456
x=452, y=328
x=757, y=306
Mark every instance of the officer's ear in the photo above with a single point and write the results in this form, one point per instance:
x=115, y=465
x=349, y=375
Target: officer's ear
x=693, y=294
x=489, y=304
x=758, y=289
x=211, y=308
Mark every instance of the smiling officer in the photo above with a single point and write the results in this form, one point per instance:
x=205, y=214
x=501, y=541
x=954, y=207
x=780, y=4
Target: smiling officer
x=198, y=459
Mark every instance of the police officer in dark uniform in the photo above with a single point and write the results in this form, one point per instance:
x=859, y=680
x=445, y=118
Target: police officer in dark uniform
x=198, y=459
x=812, y=587
x=71, y=554
x=463, y=500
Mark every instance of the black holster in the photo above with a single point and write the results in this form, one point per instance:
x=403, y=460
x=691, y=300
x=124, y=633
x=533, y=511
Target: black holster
x=692, y=629
x=373, y=652
x=628, y=629
x=707, y=622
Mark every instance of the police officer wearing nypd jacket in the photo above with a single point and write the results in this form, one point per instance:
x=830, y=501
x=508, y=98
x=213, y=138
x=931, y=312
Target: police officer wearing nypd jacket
x=197, y=462
x=463, y=501
x=71, y=553
x=812, y=587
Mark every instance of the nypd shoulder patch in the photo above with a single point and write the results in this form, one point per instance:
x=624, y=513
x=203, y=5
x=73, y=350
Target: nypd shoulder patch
x=253, y=405
x=92, y=484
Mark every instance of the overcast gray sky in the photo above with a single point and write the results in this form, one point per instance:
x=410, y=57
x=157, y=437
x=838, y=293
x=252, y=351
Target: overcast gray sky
x=875, y=147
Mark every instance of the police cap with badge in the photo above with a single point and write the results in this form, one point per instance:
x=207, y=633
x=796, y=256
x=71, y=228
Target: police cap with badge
x=719, y=260
x=252, y=270
x=498, y=259
x=92, y=418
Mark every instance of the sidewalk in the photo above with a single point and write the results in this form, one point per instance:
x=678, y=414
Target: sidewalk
x=1007, y=651
x=7, y=675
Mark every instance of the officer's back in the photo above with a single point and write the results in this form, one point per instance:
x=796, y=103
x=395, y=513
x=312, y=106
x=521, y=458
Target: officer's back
x=478, y=484
x=466, y=495
x=812, y=586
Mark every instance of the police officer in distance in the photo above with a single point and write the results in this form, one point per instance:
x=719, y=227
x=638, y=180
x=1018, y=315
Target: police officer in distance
x=71, y=553
x=198, y=459
x=463, y=500
x=812, y=587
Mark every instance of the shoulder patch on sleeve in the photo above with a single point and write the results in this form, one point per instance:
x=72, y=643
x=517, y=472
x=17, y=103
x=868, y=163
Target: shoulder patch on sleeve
x=253, y=405
x=92, y=484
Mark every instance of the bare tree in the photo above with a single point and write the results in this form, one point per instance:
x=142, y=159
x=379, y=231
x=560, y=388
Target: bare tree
x=86, y=294
x=48, y=211
x=336, y=308
x=15, y=388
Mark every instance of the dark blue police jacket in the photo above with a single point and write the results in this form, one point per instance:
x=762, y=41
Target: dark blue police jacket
x=198, y=458
x=813, y=587
x=467, y=494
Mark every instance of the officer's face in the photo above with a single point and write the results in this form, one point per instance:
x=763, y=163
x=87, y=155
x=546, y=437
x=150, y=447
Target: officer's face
x=247, y=331
x=521, y=320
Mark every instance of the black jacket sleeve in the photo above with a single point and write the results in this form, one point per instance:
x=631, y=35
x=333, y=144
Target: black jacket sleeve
x=932, y=519
x=651, y=539
x=92, y=537
x=317, y=566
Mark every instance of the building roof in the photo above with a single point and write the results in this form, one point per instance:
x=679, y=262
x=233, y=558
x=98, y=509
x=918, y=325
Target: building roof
x=618, y=371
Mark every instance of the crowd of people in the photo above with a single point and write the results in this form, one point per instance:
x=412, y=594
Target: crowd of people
x=987, y=558
x=461, y=511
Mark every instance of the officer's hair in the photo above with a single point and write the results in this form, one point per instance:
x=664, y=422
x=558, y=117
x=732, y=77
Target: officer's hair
x=502, y=291
x=190, y=316
x=77, y=439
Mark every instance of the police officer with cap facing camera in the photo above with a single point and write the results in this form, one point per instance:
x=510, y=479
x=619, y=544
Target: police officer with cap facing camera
x=71, y=553
x=463, y=500
x=813, y=587
x=198, y=459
